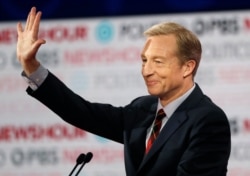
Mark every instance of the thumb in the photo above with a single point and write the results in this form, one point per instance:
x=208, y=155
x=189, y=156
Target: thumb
x=38, y=43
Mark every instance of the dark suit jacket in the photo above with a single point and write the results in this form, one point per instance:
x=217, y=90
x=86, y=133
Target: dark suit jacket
x=194, y=142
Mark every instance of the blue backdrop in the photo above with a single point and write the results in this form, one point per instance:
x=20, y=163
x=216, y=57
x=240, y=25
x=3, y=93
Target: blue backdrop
x=54, y=9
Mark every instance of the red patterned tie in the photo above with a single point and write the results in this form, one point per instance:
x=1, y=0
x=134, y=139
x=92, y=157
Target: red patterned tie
x=156, y=129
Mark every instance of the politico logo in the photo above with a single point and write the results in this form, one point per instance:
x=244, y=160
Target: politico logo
x=134, y=30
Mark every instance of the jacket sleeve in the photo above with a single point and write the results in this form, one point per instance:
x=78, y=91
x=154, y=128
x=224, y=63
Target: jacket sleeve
x=100, y=119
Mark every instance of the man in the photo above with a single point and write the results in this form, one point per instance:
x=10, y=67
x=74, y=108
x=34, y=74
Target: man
x=194, y=137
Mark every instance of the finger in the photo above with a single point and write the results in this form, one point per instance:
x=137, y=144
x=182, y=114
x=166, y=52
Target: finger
x=27, y=21
x=19, y=28
x=32, y=16
x=36, y=24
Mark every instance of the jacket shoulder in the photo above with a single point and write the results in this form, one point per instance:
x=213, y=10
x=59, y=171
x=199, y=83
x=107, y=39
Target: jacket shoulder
x=144, y=101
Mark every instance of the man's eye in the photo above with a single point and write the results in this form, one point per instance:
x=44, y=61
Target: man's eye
x=158, y=62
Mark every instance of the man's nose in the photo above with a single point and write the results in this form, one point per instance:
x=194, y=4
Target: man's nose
x=147, y=69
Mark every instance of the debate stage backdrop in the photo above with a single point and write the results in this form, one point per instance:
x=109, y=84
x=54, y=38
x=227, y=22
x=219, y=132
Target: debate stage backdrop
x=99, y=58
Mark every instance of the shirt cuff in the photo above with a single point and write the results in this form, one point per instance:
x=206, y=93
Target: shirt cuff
x=36, y=78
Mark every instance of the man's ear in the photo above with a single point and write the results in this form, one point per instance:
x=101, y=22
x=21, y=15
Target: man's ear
x=189, y=68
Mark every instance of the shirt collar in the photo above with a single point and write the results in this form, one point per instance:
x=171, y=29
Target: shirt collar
x=171, y=107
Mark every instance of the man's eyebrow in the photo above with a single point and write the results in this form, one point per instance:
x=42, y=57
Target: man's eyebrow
x=143, y=55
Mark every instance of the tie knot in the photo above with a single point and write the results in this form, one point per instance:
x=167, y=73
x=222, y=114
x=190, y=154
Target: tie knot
x=160, y=114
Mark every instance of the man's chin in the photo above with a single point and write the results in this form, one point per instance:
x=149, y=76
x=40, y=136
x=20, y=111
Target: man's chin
x=153, y=93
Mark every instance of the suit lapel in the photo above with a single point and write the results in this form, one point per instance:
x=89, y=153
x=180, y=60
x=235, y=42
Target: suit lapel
x=173, y=123
x=137, y=139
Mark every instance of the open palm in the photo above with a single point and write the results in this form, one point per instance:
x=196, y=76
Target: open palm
x=28, y=42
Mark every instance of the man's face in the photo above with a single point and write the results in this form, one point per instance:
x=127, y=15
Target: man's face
x=161, y=69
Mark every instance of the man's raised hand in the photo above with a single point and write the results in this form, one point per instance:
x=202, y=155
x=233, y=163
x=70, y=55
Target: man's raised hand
x=28, y=42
